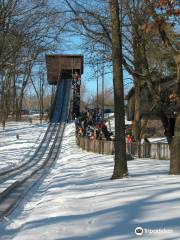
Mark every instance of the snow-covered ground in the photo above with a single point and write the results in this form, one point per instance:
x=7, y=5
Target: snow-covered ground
x=78, y=201
x=13, y=150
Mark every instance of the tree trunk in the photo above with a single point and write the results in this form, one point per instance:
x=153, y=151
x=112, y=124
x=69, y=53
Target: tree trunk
x=19, y=107
x=175, y=149
x=120, y=167
x=41, y=108
x=137, y=115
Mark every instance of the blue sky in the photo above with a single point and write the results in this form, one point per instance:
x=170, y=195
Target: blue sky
x=73, y=45
x=89, y=77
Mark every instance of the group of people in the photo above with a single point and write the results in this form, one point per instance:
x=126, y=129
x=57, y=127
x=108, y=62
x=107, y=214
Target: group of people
x=90, y=125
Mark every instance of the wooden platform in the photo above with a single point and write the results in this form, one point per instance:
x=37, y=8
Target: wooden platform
x=66, y=65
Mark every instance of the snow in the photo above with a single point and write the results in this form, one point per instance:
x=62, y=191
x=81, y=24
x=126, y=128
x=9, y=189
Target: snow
x=77, y=200
x=12, y=150
x=158, y=140
x=112, y=122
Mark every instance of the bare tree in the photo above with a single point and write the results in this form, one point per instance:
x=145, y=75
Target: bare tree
x=164, y=15
x=39, y=87
x=28, y=30
x=120, y=167
x=145, y=27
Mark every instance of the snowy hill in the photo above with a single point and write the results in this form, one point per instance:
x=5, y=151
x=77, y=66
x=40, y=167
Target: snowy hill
x=78, y=201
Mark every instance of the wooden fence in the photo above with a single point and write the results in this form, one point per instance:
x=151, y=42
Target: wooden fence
x=96, y=146
x=146, y=150
x=149, y=150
